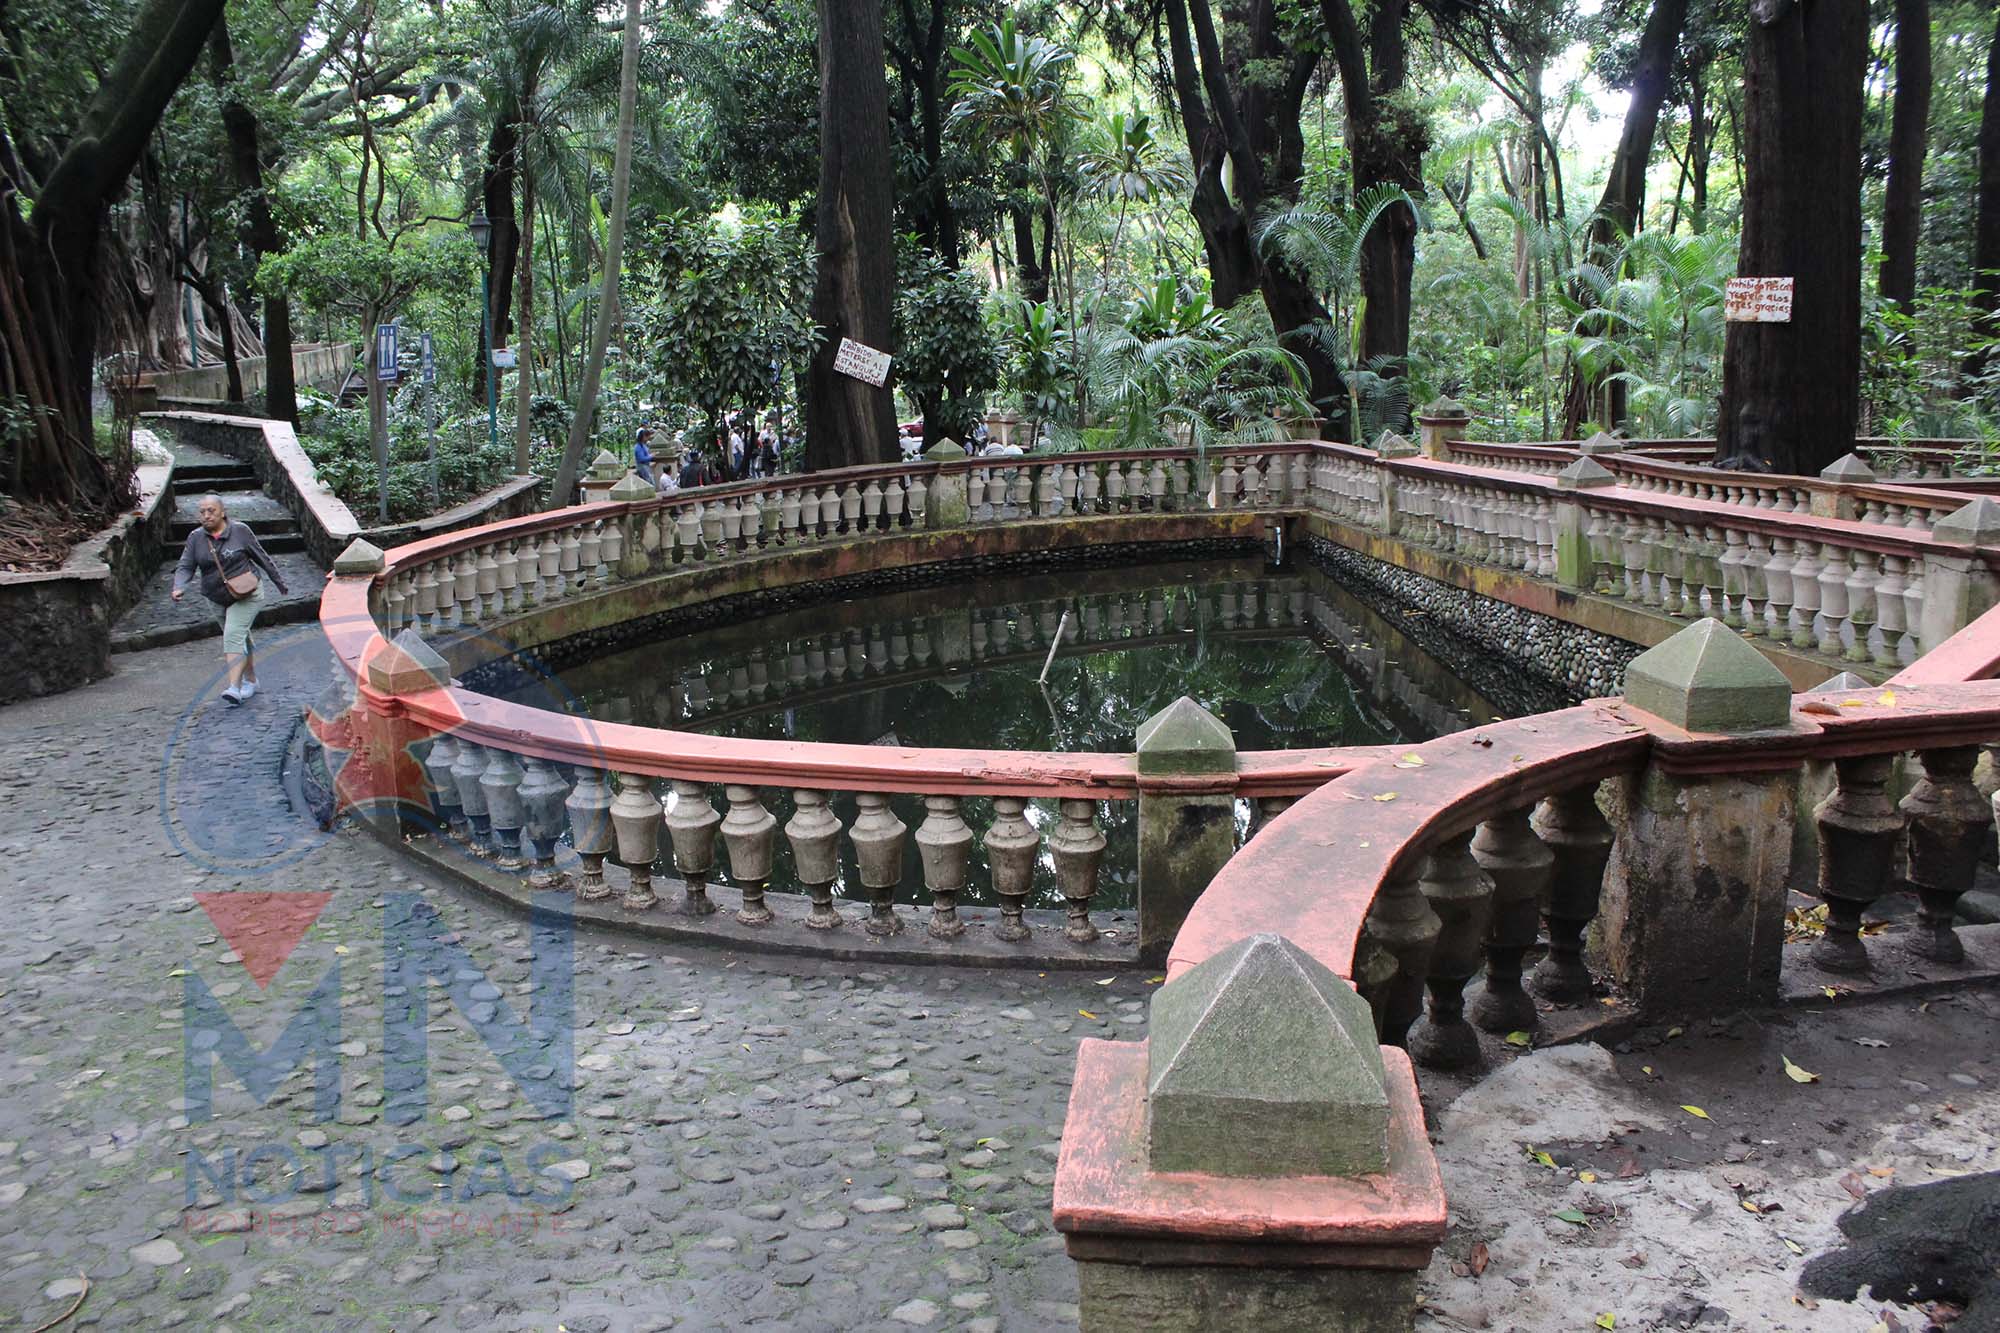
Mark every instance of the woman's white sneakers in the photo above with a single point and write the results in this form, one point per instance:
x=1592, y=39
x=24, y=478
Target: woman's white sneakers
x=237, y=694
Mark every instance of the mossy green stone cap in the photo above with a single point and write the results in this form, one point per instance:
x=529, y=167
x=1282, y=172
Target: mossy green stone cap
x=1706, y=678
x=1184, y=737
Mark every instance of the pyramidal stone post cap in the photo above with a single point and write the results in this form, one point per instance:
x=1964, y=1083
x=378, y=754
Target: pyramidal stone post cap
x=1602, y=443
x=1184, y=737
x=408, y=665
x=1846, y=680
x=1976, y=524
x=1444, y=409
x=1706, y=678
x=1261, y=1061
x=1391, y=445
x=361, y=557
x=1850, y=469
x=1584, y=474
x=944, y=451
x=631, y=488
x=605, y=466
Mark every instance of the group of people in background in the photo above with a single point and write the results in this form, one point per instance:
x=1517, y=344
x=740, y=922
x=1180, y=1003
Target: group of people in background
x=738, y=453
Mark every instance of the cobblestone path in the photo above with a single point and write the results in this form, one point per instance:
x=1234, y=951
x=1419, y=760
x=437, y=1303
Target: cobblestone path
x=751, y=1141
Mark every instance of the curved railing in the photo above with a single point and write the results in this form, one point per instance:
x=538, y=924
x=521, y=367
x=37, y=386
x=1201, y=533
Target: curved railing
x=1842, y=587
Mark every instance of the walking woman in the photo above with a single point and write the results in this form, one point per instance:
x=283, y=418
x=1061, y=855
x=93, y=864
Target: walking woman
x=227, y=556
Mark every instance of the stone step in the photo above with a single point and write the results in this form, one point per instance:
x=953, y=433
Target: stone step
x=157, y=620
x=197, y=479
x=275, y=543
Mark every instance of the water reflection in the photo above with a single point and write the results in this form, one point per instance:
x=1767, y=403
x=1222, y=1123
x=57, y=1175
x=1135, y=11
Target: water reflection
x=1286, y=659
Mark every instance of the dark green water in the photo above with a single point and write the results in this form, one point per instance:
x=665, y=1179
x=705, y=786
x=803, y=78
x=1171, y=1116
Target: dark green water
x=1286, y=660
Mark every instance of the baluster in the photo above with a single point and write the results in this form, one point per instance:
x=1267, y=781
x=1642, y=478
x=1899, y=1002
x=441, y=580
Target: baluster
x=569, y=562
x=428, y=621
x=918, y=497
x=1833, y=609
x=944, y=844
x=590, y=830
x=1461, y=893
x=486, y=577
x=1019, y=493
x=635, y=815
x=513, y=558
x=732, y=524
x=548, y=568
x=444, y=787
x=788, y=517
x=1756, y=559
x=1077, y=847
x=878, y=838
x=711, y=515
x=814, y=833
x=1861, y=613
x=1521, y=867
x=850, y=508
x=1857, y=844
x=501, y=783
x=871, y=505
x=1580, y=841
x=1778, y=580
x=1011, y=843
x=1907, y=648
x=692, y=823
x=541, y=794
x=1950, y=824
x=589, y=555
x=1402, y=925
x=395, y=603
x=749, y=832
x=1045, y=491
x=1114, y=488
x=1805, y=595
x=1635, y=559
x=1888, y=612
x=1734, y=580
x=467, y=768
x=465, y=588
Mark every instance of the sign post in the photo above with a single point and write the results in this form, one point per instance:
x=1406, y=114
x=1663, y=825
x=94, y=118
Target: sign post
x=382, y=374
x=428, y=357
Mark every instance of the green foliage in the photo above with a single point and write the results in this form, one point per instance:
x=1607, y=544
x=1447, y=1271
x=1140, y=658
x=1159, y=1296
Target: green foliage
x=362, y=277
x=336, y=440
x=721, y=301
x=948, y=357
x=1200, y=377
x=1929, y=373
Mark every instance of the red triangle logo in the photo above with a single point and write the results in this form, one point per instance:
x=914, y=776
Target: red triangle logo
x=263, y=928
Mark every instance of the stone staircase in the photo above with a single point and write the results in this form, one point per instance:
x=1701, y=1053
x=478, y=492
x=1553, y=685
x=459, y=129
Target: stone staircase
x=156, y=620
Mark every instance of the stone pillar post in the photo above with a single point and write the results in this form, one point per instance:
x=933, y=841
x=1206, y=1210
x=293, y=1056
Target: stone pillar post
x=1959, y=588
x=1187, y=816
x=1439, y=423
x=1845, y=471
x=382, y=783
x=1693, y=912
x=605, y=470
x=946, y=506
x=1259, y=1162
x=1391, y=445
x=632, y=489
x=1576, y=565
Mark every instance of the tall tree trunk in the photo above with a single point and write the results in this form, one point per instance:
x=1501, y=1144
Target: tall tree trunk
x=1986, y=230
x=1619, y=209
x=496, y=184
x=1030, y=270
x=1701, y=146
x=1790, y=391
x=850, y=421
x=1240, y=106
x=1902, y=199
x=1387, y=140
x=614, y=261
x=51, y=263
x=524, y=359
x=259, y=233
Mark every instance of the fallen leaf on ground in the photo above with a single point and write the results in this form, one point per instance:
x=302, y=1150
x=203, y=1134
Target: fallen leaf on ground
x=1873, y=1043
x=1572, y=1216
x=1793, y=1245
x=1852, y=1184
x=1520, y=1039
x=1796, y=1074
x=1587, y=1177
x=1384, y=796
x=1607, y=1320
x=1410, y=761
x=1479, y=1259
x=1696, y=1112
x=1107, y=981
x=1086, y=1013
x=1881, y=1172
x=1886, y=698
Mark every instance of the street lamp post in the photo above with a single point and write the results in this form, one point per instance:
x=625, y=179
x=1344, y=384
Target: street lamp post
x=481, y=228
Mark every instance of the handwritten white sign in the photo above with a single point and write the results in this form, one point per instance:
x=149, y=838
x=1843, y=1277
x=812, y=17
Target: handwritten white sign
x=1757, y=301
x=862, y=362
